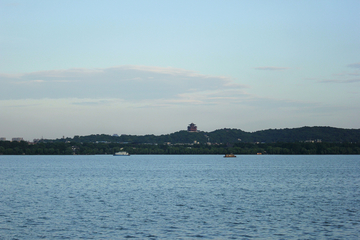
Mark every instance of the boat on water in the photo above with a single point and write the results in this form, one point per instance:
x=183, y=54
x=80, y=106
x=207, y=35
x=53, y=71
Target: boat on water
x=229, y=155
x=121, y=154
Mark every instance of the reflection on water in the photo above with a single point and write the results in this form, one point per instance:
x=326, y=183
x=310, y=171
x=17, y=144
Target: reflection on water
x=157, y=197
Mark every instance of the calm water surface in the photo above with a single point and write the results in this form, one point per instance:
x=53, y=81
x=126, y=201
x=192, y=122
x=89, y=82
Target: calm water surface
x=180, y=197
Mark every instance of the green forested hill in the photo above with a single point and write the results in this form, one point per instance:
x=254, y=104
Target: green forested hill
x=303, y=134
x=325, y=134
x=305, y=140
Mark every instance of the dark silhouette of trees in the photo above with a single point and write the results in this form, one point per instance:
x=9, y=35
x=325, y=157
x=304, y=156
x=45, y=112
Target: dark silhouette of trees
x=61, y=148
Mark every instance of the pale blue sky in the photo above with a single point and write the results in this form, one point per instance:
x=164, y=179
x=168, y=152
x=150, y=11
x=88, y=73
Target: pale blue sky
x=139, y=67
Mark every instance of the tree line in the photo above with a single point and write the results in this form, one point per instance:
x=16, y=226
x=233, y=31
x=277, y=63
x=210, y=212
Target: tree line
x=70, y=148
x=226, y=135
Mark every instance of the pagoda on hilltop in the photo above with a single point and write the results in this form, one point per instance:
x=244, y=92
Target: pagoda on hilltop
x=192, y=128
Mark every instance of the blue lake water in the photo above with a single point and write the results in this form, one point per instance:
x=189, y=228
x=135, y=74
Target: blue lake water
x=180, y=197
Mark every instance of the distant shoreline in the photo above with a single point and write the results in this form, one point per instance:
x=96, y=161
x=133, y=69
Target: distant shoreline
x=219, y=142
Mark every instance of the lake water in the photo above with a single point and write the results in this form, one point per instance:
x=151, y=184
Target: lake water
x=180, y=197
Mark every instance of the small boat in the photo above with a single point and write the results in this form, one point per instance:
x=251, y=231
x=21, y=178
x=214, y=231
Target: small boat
x=121, y=154
x=229, y=155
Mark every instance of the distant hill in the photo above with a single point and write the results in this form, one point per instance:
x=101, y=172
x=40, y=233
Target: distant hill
x=324, y=134
x=303, y=134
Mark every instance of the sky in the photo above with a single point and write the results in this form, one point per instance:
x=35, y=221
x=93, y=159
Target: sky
x=153, y=67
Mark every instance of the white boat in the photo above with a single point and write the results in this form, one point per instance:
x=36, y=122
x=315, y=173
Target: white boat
x=121, y=154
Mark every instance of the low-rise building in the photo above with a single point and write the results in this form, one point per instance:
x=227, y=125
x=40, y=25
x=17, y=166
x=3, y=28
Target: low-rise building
x=17, y=139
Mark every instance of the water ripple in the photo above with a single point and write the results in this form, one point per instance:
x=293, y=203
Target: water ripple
x=179, y=197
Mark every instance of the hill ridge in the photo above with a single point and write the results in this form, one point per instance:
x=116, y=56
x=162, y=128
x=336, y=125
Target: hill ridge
x=232, y=135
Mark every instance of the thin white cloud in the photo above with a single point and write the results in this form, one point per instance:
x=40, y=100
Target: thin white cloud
x=340, y=81
x=268, y=68
x=93, y=102
x=132, y=83
x=354, y=65
x=30, y=82
x=347, y=74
